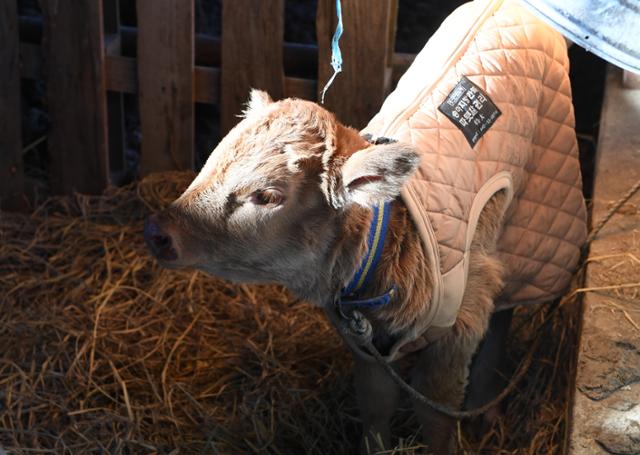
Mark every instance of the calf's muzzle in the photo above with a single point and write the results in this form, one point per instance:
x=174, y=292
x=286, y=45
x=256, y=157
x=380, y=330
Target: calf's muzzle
x=158, y=240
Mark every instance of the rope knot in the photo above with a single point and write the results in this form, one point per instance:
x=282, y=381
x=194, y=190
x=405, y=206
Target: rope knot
x=357, y=328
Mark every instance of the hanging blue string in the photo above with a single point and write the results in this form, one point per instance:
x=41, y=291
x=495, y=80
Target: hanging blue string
x=336, y=55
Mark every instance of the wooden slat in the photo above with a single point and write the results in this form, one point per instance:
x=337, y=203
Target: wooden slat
x=76, y=96
x=11, y=174
x=392, y=28
x=115, y=111
x=252, y=40
x=165, y=76
x=111, y=17
x=295, y=87
x=401, y=62
x=300, y=60
x=358, y=92
x=122, y=76
x=115, y=100
x=31, y=59
x=392, y=21
x=207, y=85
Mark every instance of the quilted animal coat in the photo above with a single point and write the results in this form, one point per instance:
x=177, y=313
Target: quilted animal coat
x=488, y=104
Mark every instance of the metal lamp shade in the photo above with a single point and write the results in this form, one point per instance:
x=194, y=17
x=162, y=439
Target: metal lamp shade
x=608, y=28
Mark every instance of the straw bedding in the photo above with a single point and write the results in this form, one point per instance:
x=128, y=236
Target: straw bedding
x=103, y=351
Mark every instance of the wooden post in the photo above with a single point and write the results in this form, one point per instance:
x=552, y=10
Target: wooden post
x=252, y=41
x=11, y=176
x=115, y=102
x=165, y=75
x=76, y=95
x=392, y=20
x=359, y=90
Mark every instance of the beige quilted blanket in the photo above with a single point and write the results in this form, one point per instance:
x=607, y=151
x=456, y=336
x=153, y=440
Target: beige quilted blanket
x=488, y=102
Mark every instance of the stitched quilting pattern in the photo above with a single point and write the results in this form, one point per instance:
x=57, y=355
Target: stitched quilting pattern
x=522, y=65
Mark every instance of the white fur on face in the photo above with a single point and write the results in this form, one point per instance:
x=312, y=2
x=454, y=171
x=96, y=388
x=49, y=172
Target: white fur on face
x=245, y=241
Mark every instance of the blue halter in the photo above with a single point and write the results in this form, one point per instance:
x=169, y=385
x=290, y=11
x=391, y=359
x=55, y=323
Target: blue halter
x=377, y=233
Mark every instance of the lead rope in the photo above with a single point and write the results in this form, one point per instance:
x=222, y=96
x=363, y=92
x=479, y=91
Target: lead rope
x=628, y=195
x=358, y=328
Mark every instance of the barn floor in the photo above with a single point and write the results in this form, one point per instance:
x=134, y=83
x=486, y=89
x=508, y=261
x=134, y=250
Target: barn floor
x=607, y=401
x=103, y=352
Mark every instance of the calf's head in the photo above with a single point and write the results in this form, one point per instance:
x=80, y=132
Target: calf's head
x=271, y=202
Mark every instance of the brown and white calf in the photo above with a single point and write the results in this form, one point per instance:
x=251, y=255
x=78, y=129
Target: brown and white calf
x=286, y=197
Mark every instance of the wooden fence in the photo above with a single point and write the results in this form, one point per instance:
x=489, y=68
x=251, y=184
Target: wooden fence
x=77, y=49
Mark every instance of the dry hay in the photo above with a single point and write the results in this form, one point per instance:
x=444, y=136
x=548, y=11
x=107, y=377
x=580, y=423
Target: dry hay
x=103, y=351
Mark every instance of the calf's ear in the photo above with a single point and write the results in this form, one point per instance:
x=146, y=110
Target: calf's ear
x=376, y=174
x=258, y=101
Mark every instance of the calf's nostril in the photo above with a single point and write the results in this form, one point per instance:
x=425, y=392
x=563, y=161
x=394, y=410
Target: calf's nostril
x=158, y=241
x=161, y=241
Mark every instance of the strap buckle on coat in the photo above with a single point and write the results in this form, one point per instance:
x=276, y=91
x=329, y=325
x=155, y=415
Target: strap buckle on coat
x=349, y=297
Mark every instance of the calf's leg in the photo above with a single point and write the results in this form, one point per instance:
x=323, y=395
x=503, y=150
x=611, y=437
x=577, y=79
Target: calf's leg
x=441, y=375
x=377, y=395
x=442, y=372
x=487, y=375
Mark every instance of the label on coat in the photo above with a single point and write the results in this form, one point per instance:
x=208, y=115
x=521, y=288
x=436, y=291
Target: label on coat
x=470, y=109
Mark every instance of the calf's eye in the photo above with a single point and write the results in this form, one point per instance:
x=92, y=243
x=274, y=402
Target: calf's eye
x=268, y=197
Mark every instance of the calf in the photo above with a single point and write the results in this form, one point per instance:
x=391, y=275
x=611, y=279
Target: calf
x=287, y=197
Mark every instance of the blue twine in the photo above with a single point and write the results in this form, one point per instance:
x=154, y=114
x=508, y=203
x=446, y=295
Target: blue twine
x=336, y=55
